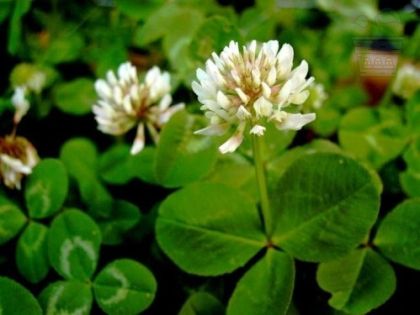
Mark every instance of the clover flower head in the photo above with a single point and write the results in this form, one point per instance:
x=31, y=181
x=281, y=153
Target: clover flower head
x=124, y=103
x=20, y=103
x=17, y=159
x=407, y=81
x=250, y=87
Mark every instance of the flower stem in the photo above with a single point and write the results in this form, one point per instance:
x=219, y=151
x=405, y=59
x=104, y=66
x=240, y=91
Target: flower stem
x=262, y=185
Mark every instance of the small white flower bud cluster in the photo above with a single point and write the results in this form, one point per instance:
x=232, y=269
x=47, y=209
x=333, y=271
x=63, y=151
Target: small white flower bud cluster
x=252, y=86
x=124, y=103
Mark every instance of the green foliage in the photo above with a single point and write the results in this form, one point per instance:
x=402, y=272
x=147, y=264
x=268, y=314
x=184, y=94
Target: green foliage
x=266, y=288
x=358, y=282
x=314, y=224
x=16, y=300
x=399, y=234
x=75, y=97
x=181, y=156
x=377, y=136
x=73, y=245
x=124, y=287
x=46, y=189
x=11, y=220
x=201, y=303
x=209, y=229
x=32, y=252
x=66, y=297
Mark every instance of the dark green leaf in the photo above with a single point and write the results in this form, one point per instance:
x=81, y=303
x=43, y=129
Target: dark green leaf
x=11, y=220
x=325, y=204
x=66, y=297
x=124, y=287
x=202, y=303
x=209, y=229
x=266, y=288
x=73, y=245
x=398, y=235
x=16, y=300
x=32, y=254
x=122, y=218
x=358, y=282
x=46, y=188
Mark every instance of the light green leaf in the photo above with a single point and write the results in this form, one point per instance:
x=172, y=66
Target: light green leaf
x=398, y=235
x=122, y=218
x=266, y=288
x=11, y=220
x=74, y=240
x=32, y=254
x=46, y=188
x=410, y=183
x=75, y=97
x=16, y=300
x=358, y=282
x=325, y=204
x=181, y=156
x=376, y=136
x=124, y=287
x=202, y=303
x=117, y=166
x=81, y=160
x=209, y=229
x=66, y=297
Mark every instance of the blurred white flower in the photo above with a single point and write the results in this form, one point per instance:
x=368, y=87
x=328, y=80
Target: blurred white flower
x=36, y=82
x=316, y=99
x=407, y=81
x=20, y=103
x=124, y=103
x=251, y=87
x=17, y=159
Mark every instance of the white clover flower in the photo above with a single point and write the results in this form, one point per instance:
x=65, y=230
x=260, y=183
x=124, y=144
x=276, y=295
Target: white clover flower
x=407, y=81
x=17, y=159
x=124, y=103
x=20, y=103
x=251, y=87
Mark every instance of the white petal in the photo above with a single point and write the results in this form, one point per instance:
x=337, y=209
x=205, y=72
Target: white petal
x=295, y=121
x=165, y=102
x=243, y=113
x=222, y=100
x=285, y=60
x=103, y=89
x=244, y=98
x=263, y=107
x=299, y=98
x=266, y=90
x=271, y=78
x=213, y=130
x=232, y=143
x=257, y=130
x=138, y=143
